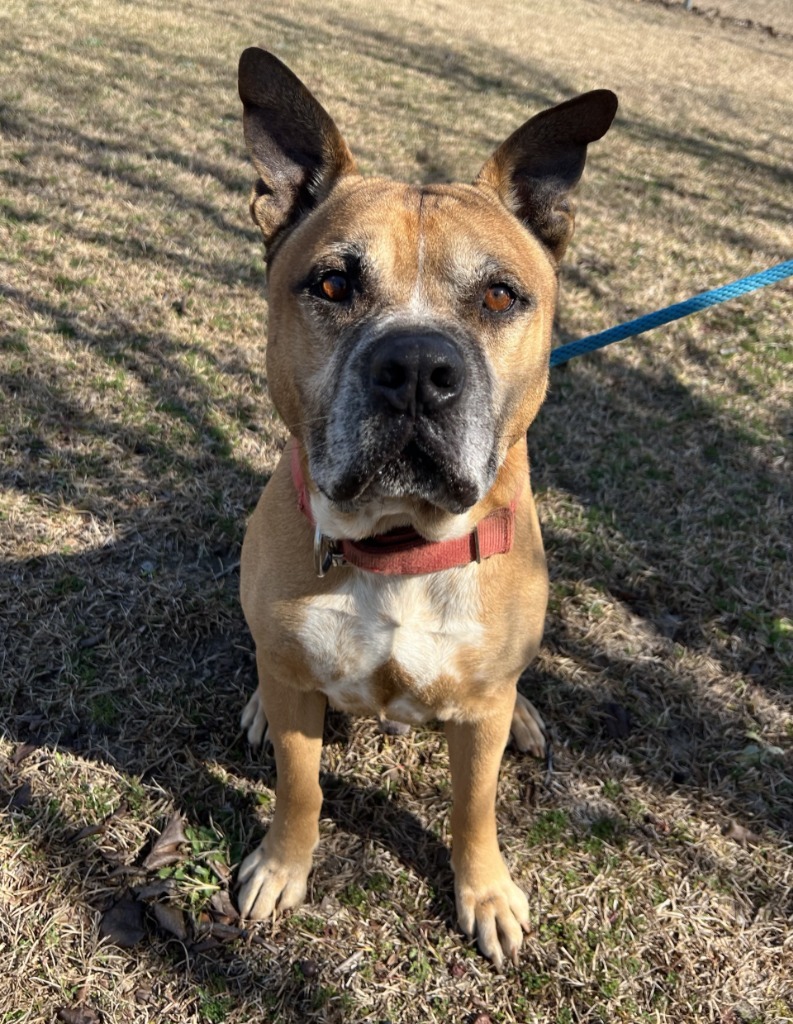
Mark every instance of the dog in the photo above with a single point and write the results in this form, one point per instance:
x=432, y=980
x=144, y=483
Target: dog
x=394, y=565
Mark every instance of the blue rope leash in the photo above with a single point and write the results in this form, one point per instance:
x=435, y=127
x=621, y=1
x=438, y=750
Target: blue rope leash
x=676, y=312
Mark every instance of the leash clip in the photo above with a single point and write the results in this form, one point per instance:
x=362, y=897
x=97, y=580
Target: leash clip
x=327, y=554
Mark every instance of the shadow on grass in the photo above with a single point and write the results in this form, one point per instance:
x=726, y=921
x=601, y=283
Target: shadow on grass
x=678, y=495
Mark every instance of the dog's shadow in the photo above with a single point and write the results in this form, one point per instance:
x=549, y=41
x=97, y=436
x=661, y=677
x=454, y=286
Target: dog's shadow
x=368, y=816
x=380, y=818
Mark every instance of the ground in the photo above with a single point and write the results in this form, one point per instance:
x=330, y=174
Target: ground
x=136, y=434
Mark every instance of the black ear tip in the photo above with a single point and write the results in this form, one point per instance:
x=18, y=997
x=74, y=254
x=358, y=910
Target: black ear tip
x=251, y=57
x=255, y=60
x=582, y=119
x=258, y=66
x=607, y=98
x=610, y=102
x=605, y=105
x=251, y=62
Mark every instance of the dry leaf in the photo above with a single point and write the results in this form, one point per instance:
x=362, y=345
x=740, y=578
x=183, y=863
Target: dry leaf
x=221, y=932
x=122, y=870
x=22, y=798
x=166, y=848
x=78, y=1015
x=205, y=946
x=171, y=920
x=122, y=924
x=22, y=751
x=154, y=891
x=88, y=830
x=223, y=910
x=743, y=836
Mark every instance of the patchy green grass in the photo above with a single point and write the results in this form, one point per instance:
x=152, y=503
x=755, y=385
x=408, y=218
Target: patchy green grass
x=136, y=433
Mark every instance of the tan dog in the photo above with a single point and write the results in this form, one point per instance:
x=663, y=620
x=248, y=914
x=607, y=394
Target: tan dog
x=394, y=564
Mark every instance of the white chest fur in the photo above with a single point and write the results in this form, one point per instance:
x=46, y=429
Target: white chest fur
x=417, y=623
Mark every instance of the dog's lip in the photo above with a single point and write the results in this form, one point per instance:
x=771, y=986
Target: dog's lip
x=349, y=491
x=418, y=501
x=459, y=494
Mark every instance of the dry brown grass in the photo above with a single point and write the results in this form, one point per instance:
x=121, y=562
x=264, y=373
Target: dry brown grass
x=772, y=16
x=136, y=433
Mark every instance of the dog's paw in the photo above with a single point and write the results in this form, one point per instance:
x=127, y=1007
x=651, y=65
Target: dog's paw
x=268, y=883
x=497, y=914
x=528, y=729
x=254, y=721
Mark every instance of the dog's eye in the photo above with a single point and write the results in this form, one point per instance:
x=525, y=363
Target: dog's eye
x=335, y=286
x=498, y=298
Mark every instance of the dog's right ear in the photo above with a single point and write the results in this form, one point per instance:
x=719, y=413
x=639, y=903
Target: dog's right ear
x=297, y=150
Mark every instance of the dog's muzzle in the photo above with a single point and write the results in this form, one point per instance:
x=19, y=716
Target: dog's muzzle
x=411, y=417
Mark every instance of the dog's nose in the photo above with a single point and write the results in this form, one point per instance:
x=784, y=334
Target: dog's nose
x=417, y=373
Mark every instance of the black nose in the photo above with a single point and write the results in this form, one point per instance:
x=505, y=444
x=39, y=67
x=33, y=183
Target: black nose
x=417, y=373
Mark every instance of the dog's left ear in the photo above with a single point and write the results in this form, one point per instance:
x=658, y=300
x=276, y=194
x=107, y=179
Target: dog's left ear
x=535, y=171
x=296, y=148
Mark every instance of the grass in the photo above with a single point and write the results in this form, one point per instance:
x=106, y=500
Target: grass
x=136, y=434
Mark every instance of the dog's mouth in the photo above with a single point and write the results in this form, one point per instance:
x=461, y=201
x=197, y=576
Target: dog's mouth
x=429, y=476
x=416, y=472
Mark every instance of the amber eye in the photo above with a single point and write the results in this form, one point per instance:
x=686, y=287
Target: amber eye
x=498, y=298
x=335, y=287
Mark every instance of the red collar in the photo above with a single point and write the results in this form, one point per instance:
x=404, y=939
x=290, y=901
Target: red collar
x=403, y=551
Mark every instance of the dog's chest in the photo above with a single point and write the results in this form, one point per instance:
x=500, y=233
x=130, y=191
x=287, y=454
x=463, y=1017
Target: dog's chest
x=392, y=645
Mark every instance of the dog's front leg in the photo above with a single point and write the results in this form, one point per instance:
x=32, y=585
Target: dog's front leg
x=489, y=904
x=275, y=875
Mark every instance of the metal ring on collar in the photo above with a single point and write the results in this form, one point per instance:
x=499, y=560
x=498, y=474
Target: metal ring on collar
x=327, y=554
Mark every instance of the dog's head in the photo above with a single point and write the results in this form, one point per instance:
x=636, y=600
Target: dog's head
x=409, y=326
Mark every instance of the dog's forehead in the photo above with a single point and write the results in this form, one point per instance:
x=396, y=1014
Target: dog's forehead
x=453, y=232
x=468, y=235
